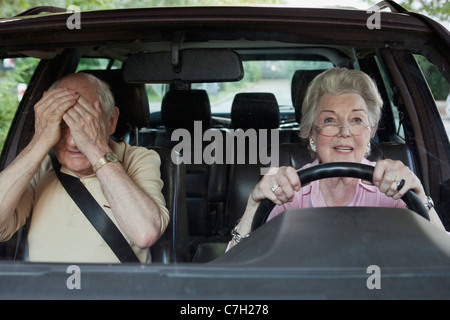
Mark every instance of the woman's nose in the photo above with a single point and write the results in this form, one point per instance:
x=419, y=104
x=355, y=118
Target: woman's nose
x=344, y=131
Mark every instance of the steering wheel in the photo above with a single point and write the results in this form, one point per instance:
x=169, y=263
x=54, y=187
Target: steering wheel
x=332, y=170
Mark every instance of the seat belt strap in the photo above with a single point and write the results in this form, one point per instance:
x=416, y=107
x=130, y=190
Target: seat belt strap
x=95, y=214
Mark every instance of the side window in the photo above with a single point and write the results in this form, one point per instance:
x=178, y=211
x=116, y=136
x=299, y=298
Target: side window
x=390, y=125
x=440, y=88
x=14, y=77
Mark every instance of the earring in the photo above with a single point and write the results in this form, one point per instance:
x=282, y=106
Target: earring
x=368, y=148
x=312, y=144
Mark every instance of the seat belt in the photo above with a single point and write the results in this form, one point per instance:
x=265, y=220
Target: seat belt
x=95, y=214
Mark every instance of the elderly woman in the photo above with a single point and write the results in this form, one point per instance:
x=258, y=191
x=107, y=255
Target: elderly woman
x=340, y=114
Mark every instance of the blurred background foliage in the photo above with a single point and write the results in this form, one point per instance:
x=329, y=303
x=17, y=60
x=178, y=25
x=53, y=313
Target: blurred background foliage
x=10, y=8
x=438, y=9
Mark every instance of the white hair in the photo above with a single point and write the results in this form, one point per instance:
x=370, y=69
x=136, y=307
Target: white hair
x=337, y=81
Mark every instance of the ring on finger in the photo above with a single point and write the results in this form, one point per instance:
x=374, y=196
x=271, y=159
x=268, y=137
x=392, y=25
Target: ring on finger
x=400, y=184
x=275, y=187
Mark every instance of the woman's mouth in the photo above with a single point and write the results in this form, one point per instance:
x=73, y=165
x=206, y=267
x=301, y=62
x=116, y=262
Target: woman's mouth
x=344, y=149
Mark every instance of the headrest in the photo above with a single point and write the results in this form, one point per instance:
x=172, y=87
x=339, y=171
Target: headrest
x=180, y=108
x=394, y=151
x=299, y=85
x=258, y=110
x=130, y=98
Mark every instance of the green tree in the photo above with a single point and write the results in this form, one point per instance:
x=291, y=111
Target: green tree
x=437, y=9
x=10, y=8
x=9, y=80
x=439, y=87
x=440, y=11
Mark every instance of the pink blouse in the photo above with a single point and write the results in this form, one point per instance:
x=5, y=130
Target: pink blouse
x=310, y=196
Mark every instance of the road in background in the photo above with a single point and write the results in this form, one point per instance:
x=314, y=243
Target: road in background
x=280, y=87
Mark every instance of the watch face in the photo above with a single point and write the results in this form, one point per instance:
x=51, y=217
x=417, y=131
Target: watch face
x=111, y=157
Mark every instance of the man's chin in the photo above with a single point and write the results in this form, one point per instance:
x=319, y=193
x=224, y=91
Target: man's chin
x=80, y=168
x=76, y=162
x=82, y=172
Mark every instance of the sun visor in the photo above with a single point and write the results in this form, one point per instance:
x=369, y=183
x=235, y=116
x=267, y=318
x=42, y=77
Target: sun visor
x=190, y=66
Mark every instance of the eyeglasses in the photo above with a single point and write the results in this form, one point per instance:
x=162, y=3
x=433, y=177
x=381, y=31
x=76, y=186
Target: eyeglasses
x=331, y=130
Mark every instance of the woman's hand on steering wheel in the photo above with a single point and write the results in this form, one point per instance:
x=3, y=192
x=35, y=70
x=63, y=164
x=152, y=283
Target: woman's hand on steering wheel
x=394, y=179
x=337, y=169
x=278, y=185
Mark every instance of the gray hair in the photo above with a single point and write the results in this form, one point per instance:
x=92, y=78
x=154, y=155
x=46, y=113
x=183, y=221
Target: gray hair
x=101, y=88
x=337, y=81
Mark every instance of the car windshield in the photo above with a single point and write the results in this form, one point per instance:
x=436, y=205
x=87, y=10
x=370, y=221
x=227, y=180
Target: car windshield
x=259, y=76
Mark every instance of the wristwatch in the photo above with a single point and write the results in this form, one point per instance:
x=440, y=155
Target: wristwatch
x=108, y=157
x=429, y=204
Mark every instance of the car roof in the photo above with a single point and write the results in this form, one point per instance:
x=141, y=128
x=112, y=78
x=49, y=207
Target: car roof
x=135, y=30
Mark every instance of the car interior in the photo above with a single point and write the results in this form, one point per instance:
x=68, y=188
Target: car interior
x=207, y=199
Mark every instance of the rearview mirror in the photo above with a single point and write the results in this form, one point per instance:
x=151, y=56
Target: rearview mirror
x=189, y=66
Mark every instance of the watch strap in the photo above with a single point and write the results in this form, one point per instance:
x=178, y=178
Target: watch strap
x=108, y=157
x=100, y=163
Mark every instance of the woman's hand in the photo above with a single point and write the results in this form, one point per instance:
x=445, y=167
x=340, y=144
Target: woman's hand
x=279, y=186
x=388, y=176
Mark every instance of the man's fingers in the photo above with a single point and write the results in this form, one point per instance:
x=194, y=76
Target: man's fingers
x=56, y=103
x=88, y=107
x=55, y=94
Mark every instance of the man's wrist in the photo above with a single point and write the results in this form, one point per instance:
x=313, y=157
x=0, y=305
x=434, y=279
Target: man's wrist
x=39, y=149
x=108, y=157
x=95, y=153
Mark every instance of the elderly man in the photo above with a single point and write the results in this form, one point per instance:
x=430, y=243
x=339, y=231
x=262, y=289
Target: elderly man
x=75, y=117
